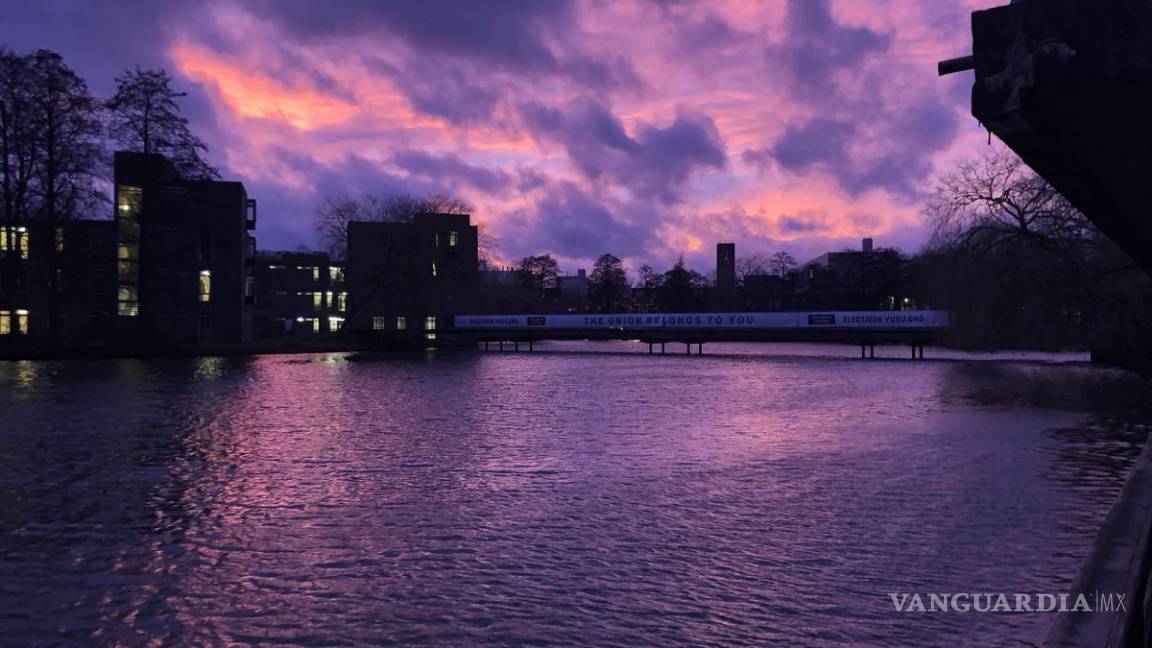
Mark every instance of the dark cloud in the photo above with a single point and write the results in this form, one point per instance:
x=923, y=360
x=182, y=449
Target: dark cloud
x=449, y=92
x=452, y=169
x=899, y=163
x=455, y=45
x=569, y=221
x=859, y=136
x=815, y=47
x=655, y=163
x=822, y=141
x=510, y=33
x=799, y=224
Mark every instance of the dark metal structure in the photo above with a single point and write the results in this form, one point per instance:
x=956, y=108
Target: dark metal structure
x=1067, y=85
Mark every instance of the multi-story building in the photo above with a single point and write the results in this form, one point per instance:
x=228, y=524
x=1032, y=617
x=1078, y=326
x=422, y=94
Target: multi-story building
x=865, y=279
x=299, y=293
x=184, y=256
x=56, y=286
x=726, y=267
x=573, y=291
x=406, y=279
x=172, y=271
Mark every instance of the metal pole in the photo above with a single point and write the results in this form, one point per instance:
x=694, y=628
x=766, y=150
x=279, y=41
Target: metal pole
x=959, y=64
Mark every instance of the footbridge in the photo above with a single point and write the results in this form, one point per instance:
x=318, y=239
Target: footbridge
x=866, y=328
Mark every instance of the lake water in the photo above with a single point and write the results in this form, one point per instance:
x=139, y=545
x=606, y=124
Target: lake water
x=587, y=494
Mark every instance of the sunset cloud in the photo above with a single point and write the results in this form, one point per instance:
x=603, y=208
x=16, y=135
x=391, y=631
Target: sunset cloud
x=644, y=129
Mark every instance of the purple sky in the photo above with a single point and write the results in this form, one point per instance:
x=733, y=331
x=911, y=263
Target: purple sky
x=646, y=129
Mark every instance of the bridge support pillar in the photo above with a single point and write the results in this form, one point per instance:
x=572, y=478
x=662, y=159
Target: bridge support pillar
x=871, y=350
x=700, y=349
x=485, y=345
x=501, y=345
x=661, y=348
x=688, y=348
x=530, y=343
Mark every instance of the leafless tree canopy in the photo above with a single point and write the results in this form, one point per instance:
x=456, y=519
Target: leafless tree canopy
x=753, y=264
x=144, y=115
x=781, y=263
x=995, y=201
x=333, y=214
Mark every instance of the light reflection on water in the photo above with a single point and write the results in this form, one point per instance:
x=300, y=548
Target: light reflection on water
x=567, y=497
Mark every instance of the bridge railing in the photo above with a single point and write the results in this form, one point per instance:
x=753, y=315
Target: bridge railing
x=844, y=320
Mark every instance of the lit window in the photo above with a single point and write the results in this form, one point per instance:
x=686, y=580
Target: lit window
x=401, y=323
x=433, y=268
x=315, y=273
x=342, y=301
x=275, y=267
x=335, y=274
x=58, y=239
x=129, y=204
x=249, y=286
x=335, y=324
x=5, y=322
x=331, y=300
x=377, y=323
x=453, y=238
x=22, y=322
x=317, y=301
x=14, y=240
x=205, y=285
x=128, y=300
x=430, y=323
x=436, y=239
x=128, y=200
x=316, y=325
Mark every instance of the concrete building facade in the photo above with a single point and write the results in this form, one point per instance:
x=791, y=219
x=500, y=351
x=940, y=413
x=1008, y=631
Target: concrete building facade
x=184, y=256
x=299, y=293
x=406, y=279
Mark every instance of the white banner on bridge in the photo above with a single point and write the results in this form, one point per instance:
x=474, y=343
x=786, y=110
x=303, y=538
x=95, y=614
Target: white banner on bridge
x=815, y=319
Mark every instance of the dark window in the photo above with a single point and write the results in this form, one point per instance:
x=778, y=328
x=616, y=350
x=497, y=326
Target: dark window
x=205, y=245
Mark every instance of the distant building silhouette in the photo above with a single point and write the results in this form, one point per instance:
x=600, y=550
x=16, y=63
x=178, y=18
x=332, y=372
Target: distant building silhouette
x=171, y=272
x=573, y=290
x=726, y=267
x=185, y=257
x=80, y=253
x=865, y=279
x=299, y=293
x=405, y=280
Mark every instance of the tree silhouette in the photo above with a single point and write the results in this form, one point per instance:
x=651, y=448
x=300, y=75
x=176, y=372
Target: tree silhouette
x=145, y=117
x=607, y=284
x=17, y=149
x=66, y=123
x=680, y=289
x=332, y=215
x=781, y=263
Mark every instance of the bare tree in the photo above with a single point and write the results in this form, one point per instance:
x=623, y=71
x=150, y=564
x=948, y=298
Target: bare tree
x=332, y=215
x=145, y=117
x=995, y=200
x=608, y=283
x=66, y=121
x=17, y=149
x=486, y=243
x=781, y=263
x=754, y=264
